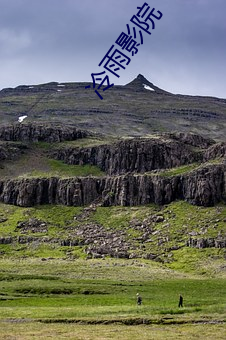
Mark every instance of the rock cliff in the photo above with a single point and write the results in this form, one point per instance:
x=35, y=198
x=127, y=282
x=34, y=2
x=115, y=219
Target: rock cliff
x=37, y=132
x=205, y=186
x=133, y=169
x=215, y=151
x=132, y=155
x=191, y=139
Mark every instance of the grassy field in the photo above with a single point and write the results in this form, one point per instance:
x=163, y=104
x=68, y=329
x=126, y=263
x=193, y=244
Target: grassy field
x=52, y=291
x=110, y=332
x=96, y=299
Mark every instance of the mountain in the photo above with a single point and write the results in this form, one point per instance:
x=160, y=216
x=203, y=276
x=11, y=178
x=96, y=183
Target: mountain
x=141, y=84
x=100, y=199
x=139, y=108
x=72, y=179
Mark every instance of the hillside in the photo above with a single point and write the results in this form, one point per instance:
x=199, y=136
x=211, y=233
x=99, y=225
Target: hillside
x=110, y=197
x=136, y=109
x=100, y=200
x=129, y=172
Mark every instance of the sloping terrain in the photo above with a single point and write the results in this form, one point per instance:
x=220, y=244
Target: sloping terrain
x=104, y=197
x=100, y=200
x=135, y=169
x=136, y=109
x=179, y=235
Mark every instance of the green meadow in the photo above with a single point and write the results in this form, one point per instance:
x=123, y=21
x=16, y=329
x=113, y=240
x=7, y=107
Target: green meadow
x=44, y=297
x=50, y=291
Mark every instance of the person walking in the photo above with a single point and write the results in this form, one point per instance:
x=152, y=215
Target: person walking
x=180, y=301
x=139, y=299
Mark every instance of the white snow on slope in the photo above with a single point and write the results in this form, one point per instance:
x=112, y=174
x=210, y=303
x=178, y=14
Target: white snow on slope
x=21, y=118
x=148, y=87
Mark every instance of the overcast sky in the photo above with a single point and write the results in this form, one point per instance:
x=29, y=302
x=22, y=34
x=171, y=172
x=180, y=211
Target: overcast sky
x=65, y=40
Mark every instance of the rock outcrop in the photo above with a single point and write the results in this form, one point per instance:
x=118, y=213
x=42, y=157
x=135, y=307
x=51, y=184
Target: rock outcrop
x=11, y=151
x=219, y=242
x=215, y=151
x=191, y=139
x=205, y=186
x=37, y=132
x=131, y=155
x=132, y=166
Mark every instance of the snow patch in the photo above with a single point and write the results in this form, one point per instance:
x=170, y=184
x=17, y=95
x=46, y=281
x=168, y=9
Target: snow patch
x=148, y=87
x=31, y=87
x=59, y=90
x=61, y=85
x=21, y=118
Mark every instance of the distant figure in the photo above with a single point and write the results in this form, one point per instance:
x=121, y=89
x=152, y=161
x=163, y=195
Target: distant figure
x=180, y=301
x=139, y=299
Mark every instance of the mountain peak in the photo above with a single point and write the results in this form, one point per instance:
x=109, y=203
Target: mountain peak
x=141, y=77
x=140, y=83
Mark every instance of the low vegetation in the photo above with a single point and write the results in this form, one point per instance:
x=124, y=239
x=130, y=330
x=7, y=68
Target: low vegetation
x=177, y=223
x=60, y=169
x=35, y=162
x=59, y=293
x=111, y=332
x=180, y=170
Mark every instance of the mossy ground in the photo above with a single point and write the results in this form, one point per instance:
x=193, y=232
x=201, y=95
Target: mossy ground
x=184, y=169
x=168, y=240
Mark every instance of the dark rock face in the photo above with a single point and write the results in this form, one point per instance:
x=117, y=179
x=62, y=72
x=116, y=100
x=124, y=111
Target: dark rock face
x=125, y=162
x=131, y=155
x=201, y=243
x=9, y=151
x=215, y=151
x=192, y=139
x=6, y=240
x=35, y=133
x=205, y=186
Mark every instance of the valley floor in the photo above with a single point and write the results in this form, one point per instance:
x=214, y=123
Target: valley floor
x=36, y=331
x=96, y=299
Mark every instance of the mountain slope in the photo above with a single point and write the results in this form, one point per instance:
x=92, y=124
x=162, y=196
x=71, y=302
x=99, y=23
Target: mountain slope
x=41, y=164
x=130, y=110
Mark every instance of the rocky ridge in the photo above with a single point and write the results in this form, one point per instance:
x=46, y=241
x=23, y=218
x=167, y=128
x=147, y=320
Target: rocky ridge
x=205, y=186
x=38, y=132
x=138, y=155
x=130, y=110
x=133, y=166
